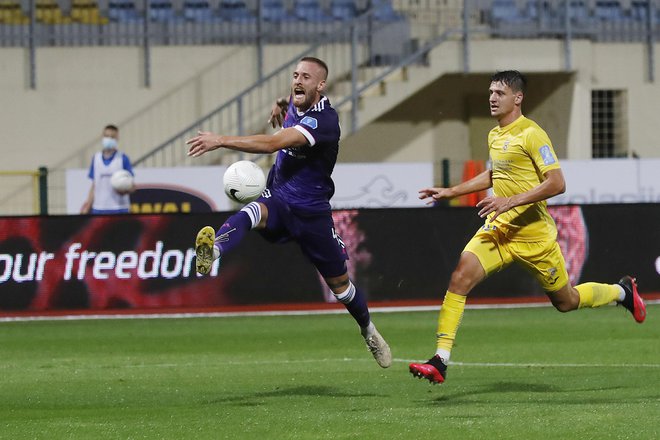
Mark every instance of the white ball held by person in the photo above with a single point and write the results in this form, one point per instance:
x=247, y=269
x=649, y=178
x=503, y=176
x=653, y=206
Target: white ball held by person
x=122, y=181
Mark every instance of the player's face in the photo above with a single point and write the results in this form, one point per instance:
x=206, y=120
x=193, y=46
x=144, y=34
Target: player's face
x=503, y=101
x=307, y=84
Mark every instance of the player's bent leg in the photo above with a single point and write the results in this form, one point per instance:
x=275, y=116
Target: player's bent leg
x=632, y=301
x=565, y=299
x=205, y=251
x=468, y=273
x=598, y=294
x=355, y=302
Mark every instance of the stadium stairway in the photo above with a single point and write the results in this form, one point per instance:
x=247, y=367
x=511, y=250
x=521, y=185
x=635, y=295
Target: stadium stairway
x=385, y=94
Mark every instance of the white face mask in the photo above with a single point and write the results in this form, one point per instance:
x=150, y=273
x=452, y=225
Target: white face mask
x=109, y=143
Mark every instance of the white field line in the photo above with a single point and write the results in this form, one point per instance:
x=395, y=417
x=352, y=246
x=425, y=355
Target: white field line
x=266, y=312
x=407, y=361
x=365, y=360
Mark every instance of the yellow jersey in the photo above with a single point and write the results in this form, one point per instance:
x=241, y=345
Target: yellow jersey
x=520, y=154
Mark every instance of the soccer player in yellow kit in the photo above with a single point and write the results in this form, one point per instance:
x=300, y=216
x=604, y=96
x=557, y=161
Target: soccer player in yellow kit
x=525, y=172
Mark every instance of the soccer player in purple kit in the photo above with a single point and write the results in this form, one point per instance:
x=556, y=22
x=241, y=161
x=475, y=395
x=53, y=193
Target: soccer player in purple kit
x=296, y=202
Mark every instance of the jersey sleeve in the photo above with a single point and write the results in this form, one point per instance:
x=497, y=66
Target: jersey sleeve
x=126, y=162
x=319, y=127
x=540, y=149
x=90, y=174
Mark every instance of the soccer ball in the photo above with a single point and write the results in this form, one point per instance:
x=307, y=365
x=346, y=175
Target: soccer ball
x=121, y=181
x=244, y=181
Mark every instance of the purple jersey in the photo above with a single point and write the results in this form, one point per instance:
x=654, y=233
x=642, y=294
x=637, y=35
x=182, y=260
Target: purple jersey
x=301, y=176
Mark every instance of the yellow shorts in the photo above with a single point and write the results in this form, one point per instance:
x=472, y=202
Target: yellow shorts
x=542, y=259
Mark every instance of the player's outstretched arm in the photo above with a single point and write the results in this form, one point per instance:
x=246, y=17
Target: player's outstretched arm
x=479, y=182
x=259, y=143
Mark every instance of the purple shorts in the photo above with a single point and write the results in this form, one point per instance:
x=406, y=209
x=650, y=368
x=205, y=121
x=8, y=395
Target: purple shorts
x=314, y=232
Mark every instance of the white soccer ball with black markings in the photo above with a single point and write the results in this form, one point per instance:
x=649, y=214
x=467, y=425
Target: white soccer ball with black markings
x=244, y=181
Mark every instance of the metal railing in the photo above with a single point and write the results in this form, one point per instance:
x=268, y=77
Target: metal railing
x=244, y=113
x=361, y=52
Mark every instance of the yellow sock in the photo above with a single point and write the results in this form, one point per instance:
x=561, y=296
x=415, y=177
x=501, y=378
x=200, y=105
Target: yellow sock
x=597, y=294
x=449, y=319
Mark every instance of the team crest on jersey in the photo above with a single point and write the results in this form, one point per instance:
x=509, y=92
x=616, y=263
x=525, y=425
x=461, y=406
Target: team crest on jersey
x=506, y=144
x=546, y=154
x=310, y=122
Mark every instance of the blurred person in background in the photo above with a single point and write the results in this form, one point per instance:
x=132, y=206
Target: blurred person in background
x=102, y=197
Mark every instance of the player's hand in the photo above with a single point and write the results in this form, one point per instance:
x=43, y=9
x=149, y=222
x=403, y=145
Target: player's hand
x=203, y=142
x=497, y=205
x=434, y=194
x=277, y=113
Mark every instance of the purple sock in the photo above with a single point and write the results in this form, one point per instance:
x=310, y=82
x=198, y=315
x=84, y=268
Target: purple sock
x=232, y=231
x=356, y=304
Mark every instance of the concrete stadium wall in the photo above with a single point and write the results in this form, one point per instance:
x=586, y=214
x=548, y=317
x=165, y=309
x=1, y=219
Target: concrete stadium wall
x=81, y=89
x=450, y=119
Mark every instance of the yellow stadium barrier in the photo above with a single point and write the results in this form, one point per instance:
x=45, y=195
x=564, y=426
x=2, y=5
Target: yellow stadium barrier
x=24, y=192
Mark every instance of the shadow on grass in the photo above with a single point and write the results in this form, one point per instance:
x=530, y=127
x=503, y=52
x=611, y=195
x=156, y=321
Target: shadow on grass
x=545, y=394
x=256, y=399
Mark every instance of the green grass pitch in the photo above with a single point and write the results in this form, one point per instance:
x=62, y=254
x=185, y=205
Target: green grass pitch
x=529, y=373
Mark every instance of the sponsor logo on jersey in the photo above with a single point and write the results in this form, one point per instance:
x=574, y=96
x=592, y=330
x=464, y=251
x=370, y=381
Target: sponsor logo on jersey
x=310, y=122
x=546, y=154
x=553, y=277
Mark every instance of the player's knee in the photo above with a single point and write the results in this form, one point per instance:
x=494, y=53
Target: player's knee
x=565, y=305
x=461, y=281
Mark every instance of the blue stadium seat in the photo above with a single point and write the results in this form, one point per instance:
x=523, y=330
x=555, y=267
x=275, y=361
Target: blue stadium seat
x=505, y=11
x=236, y=11
x=274, y=10
x=122, y=11
x=343, y=10
x=535, y=9
x=384, y=11
x=162, y=11
x=580, y=15
x=310, y=10
x=198, y=10
x=609, y=10
x=639, y=10
x=579, y=11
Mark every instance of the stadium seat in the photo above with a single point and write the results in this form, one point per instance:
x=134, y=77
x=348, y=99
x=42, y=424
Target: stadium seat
x=236, y=11
x=198, y=10
x=49, y=12
x=86, y=12
x=122, y=11
x=384, y=11
x=609, y=10
x=505, y=11
x=343, y=10
x=274, y=10
x=162, y=11
x=310, y=10
x=535, y=9
x=639, y=10
x=579, y=11
x=12, y=13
